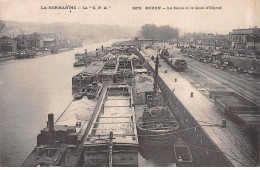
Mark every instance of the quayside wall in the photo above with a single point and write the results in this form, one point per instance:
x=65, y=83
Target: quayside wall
x=204, y=150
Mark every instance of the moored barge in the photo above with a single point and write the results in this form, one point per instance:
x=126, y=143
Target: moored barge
x=182, y=154
x=156, y=124
x=61, y=143
x=112, y=139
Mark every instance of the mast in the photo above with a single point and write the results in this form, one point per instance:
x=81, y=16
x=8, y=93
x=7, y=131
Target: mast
x=110, y=150
x=155, y=85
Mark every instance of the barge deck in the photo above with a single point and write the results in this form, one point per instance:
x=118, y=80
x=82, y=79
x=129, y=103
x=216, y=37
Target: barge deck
x=61, y=144
x=112, y=139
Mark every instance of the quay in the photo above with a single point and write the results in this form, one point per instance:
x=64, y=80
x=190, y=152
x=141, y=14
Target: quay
x=213, y=143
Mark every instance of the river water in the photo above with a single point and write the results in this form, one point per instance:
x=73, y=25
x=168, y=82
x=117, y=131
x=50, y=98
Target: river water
x=29, y=90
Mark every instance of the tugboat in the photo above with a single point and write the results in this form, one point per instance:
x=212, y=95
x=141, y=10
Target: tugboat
x=156, y=124
x=182, y=154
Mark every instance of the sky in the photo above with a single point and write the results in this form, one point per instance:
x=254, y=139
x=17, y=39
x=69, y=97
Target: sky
x=233, y=13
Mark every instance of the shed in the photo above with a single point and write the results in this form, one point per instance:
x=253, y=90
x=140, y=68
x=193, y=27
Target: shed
x=144, y=87
x=216, y=56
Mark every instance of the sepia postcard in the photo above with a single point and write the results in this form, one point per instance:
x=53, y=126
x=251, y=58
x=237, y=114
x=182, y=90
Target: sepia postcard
x=129, y=83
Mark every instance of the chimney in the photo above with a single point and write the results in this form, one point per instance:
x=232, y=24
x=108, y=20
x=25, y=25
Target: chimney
x=96, y=52
x=86, y=53
x=51, y=122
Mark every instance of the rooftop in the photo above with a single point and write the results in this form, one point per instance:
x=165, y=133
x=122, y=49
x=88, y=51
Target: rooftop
x=94, y=67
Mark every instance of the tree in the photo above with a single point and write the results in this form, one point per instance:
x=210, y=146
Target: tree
x=148, y=31
x=2, y=27
x=151, y=31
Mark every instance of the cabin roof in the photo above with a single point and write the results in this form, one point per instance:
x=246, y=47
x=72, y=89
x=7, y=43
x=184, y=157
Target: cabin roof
x=144, y=83
x=94, y=67
x=108, y=56
x=216, y=53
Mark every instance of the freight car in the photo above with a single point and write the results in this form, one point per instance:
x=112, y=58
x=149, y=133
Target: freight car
x=179, y=64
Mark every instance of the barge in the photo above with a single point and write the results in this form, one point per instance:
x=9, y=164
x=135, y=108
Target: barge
x=156, y=123
x=125, y=70
x=117, y=70
x=87, y=76
x=182, y=154
x=99, y=127
x=112, y=139
x=60, y=143
x=237, y=107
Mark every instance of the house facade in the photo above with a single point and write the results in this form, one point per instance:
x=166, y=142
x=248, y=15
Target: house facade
x=8, y=44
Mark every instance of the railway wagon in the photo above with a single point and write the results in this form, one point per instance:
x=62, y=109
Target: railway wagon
x=179, y=64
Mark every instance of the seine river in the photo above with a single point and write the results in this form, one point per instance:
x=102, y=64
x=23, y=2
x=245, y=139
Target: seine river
x=29, y=90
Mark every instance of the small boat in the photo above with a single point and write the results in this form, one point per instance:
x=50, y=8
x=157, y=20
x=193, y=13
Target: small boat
x=80, y=63
x=79, y=56
x=50, y=156
x=93, y=90
x=78, y=97
x=82, y=92
x=182, y=153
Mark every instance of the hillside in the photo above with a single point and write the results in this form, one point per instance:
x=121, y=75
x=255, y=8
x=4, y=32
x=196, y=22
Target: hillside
x=85, y=32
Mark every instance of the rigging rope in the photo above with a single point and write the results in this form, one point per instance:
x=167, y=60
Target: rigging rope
x=206, y=149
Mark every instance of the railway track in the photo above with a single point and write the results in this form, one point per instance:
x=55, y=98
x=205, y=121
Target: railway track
x=241, y=86
x=238, y=79
x=250, y=91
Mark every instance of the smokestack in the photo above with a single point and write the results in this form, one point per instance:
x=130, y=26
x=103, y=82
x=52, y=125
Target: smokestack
x=96, y=52
x=86, y=53
x=51, y=122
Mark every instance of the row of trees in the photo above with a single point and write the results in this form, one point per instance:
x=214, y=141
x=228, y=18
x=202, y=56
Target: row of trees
x=2, y=27
x=151, y=31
